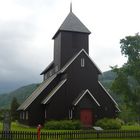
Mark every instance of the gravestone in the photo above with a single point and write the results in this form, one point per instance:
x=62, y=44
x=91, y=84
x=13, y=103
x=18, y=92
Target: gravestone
x=97, y=128
x=7, y=122
x=7, y=126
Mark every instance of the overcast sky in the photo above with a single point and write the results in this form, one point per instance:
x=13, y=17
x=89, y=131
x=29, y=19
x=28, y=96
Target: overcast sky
x=27, y=28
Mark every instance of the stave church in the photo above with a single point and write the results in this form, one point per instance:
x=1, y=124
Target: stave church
x=70, y=89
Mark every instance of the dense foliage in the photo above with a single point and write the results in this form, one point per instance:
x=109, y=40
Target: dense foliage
x=127, y=81
x=13, y=109
x=108, y=124
x=63, y=125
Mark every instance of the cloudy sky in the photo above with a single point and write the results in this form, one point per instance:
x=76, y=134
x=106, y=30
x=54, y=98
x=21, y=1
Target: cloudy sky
x=27, y=28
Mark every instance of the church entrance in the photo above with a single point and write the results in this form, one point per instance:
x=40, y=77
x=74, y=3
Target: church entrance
x=86, y=117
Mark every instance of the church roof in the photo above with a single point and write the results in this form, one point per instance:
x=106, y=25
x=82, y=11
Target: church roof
x=72, y=24
x=50, y=66
x=55, y=89
x=36, y=93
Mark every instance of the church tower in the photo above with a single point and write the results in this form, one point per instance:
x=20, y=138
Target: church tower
x=71, y=37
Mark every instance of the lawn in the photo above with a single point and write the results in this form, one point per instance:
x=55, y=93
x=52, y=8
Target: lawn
x=130, y=127
x=18, y=127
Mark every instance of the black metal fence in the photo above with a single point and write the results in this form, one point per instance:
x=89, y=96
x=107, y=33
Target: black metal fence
x=69, y=135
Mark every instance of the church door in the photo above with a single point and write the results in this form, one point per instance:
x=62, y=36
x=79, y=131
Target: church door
x=86, y=117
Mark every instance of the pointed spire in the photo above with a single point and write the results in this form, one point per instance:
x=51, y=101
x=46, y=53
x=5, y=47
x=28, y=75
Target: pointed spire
x=71, y=7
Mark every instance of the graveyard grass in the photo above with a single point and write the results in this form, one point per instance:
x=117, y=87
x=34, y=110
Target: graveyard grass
x=18, y=127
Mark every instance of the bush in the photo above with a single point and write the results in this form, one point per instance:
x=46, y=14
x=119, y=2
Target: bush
x=62, y=125
x=109, y=123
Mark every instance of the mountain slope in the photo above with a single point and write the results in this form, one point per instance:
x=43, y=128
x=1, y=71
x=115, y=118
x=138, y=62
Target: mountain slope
x=22, y=93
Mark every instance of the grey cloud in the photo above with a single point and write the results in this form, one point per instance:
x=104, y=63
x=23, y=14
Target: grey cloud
x=14, y=38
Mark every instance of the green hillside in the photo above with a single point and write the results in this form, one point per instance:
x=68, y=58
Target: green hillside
x=22, y=93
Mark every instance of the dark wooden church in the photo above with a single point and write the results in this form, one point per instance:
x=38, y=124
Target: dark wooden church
x=71, y=89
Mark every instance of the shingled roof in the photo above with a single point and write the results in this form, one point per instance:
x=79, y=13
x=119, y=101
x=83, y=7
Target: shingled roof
x=73, y=24
x=36, y=93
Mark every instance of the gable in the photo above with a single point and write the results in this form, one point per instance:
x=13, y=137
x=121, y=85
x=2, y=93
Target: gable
x=75, y=57
x=111, y=98
x=81, y=96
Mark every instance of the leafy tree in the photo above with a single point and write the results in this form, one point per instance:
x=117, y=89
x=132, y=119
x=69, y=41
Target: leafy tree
x=14, y=106
x=127, y=81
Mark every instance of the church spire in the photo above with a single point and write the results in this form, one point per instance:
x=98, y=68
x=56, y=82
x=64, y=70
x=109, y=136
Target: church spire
x=71, y=7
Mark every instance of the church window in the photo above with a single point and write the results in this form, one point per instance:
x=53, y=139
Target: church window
x=56, y=68
x=23, y=115
x=50, y=72
x=45, y=76
x=26, y=115
x=82, y=62
x=70, y=114
x=45, y=114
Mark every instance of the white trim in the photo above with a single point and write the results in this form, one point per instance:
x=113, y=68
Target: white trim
x=107, y=93
x=53, y=91
x=72, y=60
x=118, y=108
x=87, y=91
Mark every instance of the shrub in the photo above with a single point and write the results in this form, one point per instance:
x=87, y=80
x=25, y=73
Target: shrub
x=62, y=125
x=106, y=123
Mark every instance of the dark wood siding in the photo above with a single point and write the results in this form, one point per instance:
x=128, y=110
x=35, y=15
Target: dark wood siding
x=67, y=44
x=72, y=43
x=57, y=50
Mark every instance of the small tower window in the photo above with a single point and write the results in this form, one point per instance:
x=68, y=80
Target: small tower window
x=50, y=72
x=82, y=62
x=56, y=68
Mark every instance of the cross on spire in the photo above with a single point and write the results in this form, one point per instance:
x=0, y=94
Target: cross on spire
x=71, y=7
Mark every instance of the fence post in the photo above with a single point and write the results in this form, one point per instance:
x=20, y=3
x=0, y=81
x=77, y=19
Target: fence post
x=38, y=132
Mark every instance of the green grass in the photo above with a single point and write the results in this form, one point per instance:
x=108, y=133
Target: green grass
x=130, y=127
x=18, y=127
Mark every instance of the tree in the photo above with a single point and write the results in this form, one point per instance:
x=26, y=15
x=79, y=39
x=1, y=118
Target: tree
x=127, y=81
x=14, y=106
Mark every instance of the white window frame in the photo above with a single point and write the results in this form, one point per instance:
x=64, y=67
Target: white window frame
x=70, y=114
x=82, y=62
